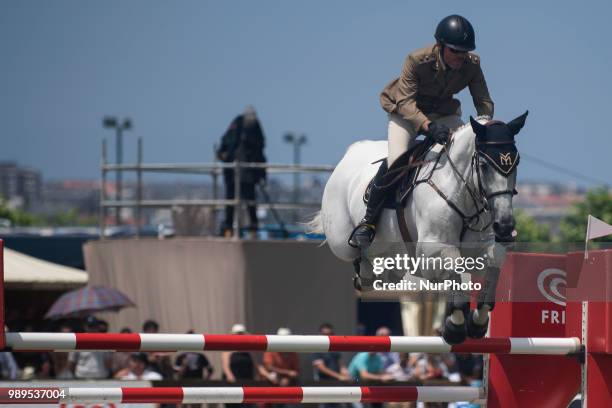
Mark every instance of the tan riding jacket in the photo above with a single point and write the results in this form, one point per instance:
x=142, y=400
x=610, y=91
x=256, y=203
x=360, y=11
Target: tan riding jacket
x=427, y=86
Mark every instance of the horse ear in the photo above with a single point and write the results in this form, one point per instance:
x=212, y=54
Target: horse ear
x=479, y=129
x=515, y=125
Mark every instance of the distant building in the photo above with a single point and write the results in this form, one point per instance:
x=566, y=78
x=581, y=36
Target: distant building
x=20, y=187
x=548, y=203
x=65, y=195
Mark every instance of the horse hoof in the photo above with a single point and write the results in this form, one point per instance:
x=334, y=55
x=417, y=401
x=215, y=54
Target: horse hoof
x=363, y=284
x=357, y=283
x=476, y=331
x=453, y=333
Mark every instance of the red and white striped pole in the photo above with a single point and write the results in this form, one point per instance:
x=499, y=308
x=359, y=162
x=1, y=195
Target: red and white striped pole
x=196, y=395
x=305, y=344
x=300, y=344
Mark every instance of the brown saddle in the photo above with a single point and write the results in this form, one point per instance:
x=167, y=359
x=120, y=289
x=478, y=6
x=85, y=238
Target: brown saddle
x=402, y=176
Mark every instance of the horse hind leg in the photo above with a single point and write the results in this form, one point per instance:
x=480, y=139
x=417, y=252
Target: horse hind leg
x=337, y=225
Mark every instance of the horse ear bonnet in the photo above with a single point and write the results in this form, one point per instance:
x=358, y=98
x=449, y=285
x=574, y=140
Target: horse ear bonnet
x=497, y=146
x=515, y=125
x=504, y=158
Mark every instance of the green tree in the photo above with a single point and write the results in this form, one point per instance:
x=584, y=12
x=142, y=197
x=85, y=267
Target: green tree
x=598, y=203
x=529, y=230
x=17, y=217
x=70, y=218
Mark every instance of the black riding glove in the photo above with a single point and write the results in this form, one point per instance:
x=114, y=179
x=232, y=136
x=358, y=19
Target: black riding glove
x=438, y=132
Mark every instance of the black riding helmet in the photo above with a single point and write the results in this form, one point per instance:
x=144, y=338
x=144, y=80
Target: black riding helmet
x=457, y=33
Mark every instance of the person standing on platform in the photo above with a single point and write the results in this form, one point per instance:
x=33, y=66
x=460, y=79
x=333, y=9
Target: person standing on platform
x=243, y=141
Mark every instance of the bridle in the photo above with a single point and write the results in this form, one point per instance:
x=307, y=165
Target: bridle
x=475, y=164
x=479, y=195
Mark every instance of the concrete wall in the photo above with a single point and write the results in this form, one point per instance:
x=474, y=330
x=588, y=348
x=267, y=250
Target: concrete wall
x=209, y=284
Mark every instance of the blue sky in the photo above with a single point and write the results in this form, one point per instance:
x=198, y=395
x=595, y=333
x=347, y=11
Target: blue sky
x=183, y=69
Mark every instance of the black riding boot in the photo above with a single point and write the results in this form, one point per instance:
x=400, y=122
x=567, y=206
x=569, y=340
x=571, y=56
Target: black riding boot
x=363, y=235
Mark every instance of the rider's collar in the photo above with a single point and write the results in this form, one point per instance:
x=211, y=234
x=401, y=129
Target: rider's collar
x=439, y=64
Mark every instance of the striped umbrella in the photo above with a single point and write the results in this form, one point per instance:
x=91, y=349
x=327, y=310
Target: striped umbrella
x=87, y=300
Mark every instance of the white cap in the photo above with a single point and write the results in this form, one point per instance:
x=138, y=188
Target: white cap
x=238, y=328
x=283, y=331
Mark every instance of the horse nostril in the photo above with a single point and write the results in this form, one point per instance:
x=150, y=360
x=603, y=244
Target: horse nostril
x=504, y=228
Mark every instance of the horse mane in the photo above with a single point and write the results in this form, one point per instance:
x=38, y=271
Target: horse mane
x=481, y=119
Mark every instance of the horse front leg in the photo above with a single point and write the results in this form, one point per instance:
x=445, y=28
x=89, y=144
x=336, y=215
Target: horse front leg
x=457, y=300
x=478, y=319
x=457, y=312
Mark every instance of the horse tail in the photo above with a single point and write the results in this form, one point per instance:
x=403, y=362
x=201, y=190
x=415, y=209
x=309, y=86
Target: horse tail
x=315, y=224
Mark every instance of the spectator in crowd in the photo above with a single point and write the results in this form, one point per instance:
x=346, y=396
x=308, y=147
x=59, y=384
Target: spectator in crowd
x=150, y=326
x=388, y=357
x=328, y=366
x=9, y=370
x=91, y=365
x=120, y=365
x=160, y=362
x=242, y=365
x=469, y=366
x=404, y=369
x=138, y=370
x=243, y=141
x=368, y=366
x=284, y=366
x=8, y=366
x=192, y=365
x=102, y=326
x=26, y=361
x=45, y=370
x=430, y=367
x=60, y=359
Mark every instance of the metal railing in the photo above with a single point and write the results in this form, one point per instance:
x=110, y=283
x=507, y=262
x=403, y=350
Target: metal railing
x=212, y=169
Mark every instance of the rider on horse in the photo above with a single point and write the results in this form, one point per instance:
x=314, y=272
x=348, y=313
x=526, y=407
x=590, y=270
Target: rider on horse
x=421, y=101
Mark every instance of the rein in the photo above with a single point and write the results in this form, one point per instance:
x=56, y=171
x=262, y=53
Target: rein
x=480, y=201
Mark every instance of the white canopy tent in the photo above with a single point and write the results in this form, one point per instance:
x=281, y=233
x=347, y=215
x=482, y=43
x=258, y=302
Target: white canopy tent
x=25, y=272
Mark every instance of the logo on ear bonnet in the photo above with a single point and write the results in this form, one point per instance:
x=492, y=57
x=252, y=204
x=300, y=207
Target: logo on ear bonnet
x=505, y=159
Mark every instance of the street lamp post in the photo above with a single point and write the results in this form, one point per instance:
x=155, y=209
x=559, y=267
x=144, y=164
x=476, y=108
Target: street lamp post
x=111, y=122
x=297, y=142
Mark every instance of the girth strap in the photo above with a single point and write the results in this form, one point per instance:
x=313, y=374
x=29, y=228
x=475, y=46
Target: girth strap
x=403, y=227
